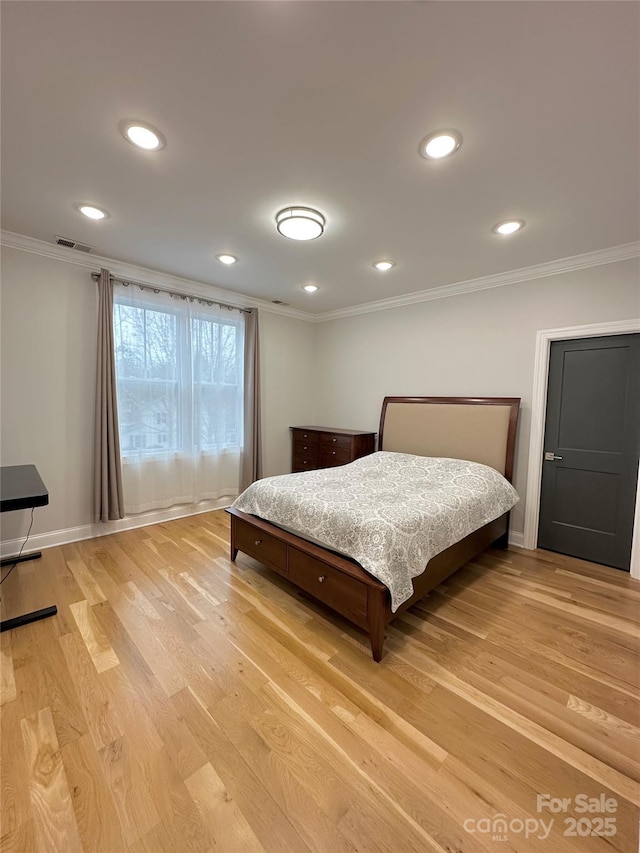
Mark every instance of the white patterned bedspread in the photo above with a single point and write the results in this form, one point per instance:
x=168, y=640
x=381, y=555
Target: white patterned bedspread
x=391, y=512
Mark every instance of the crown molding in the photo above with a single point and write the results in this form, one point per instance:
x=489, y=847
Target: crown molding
x=625, y=252
x=562, y=265
x=144, y=275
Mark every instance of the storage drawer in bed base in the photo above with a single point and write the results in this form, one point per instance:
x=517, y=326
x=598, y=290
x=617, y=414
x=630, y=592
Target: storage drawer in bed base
x=331, y=586
x=263, y=546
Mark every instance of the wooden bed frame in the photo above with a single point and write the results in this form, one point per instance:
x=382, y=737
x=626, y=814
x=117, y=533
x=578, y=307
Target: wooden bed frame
x=427, y=426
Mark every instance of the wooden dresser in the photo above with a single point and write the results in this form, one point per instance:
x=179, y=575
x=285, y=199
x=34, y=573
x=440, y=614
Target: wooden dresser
x=324, y=447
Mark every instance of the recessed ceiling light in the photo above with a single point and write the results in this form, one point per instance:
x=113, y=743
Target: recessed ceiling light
x=383, y=266
x=143, y=135
x=227, y=259
x=300, y=223
x=509, y=226
x=92, y=212
x=440, y=144
x=310, y=288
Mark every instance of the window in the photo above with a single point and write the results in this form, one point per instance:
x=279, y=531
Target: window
x=215, y=370
x=179, y=375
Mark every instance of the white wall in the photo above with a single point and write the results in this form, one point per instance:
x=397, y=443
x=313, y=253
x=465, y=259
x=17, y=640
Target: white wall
x=287, y=370
x=48, y=353
x=477, y=344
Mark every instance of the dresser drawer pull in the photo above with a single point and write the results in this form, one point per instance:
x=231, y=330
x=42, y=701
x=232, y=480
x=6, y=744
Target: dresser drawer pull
x=258, y=542
x=322, y=578
x=334, y=439
x=305, y=462
x=305, y=435
x=305, y=447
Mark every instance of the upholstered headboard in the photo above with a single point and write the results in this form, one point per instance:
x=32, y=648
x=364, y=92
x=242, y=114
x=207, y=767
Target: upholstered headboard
x=482, y=429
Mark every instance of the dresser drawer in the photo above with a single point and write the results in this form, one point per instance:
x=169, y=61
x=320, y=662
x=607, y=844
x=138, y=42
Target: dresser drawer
x=343, y=442
x=305, y=449
x=305, y=436
x=334, y=456
x=300, y=463
x=341, y=592
x=264, y=547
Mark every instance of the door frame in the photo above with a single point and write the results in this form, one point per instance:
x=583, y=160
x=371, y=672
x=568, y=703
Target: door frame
x=538, y=419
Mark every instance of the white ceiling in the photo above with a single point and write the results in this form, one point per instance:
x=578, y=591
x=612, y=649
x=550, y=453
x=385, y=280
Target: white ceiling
x=266, y=104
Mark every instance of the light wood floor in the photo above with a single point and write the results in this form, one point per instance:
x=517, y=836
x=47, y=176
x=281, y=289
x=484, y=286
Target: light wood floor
x=179, y=702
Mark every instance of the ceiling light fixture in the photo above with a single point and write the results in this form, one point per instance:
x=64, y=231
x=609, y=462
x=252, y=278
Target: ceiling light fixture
x=300, y=223
x=310, y=288
x=383, y=266
x=143, y=135
x=441, y=143
x=92, y=212
x=509, y=226
x=227, y=259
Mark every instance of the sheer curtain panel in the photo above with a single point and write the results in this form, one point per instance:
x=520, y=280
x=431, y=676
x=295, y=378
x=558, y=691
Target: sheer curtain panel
x=108, y=503
x=180, y=377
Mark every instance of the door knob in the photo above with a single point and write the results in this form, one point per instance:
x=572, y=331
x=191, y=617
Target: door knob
x=550, y=457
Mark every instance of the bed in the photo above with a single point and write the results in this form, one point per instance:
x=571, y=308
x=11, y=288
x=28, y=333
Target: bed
x=479, y=429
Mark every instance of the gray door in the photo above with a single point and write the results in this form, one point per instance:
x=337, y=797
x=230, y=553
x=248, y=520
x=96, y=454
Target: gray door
x=591, y=444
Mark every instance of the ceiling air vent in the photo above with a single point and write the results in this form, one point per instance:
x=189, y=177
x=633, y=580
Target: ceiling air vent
x=278, y=302
x=73, y=244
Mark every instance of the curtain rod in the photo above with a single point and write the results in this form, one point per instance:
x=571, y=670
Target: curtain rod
x=191, y=297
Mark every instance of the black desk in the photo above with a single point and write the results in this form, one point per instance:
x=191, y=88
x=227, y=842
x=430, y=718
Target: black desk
x=21, y=487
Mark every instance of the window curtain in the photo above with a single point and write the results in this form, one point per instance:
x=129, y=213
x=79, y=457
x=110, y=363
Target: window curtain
x=180, y=378
x=108, y=503
x=251, y=467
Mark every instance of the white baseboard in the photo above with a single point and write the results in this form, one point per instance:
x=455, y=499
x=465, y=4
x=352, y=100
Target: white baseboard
x=40, y=541
x=516, y=539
